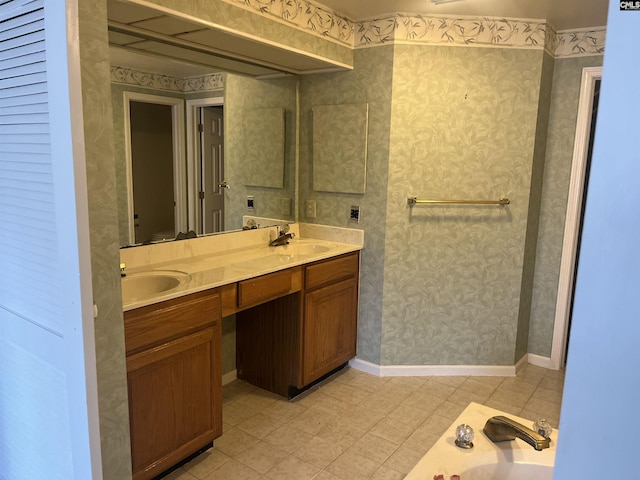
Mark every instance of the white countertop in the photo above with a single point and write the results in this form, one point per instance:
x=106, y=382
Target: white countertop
x=204, y=268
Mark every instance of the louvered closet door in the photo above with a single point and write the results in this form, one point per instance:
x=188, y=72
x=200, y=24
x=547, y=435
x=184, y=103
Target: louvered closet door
x=48, y=402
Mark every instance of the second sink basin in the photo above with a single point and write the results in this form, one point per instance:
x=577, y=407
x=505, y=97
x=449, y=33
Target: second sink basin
x=143, y=285
x=302, y=249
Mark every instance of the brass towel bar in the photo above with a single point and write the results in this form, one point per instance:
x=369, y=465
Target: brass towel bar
x=502, y=201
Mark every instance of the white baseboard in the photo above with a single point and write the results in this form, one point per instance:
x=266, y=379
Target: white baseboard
x=539, y=360
x=433, y=370
x=450, y=370
x=229, y=377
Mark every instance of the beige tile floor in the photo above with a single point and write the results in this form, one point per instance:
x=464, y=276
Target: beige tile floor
x=357, y=426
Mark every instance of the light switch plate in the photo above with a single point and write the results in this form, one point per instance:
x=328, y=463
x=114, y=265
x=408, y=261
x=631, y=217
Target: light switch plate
x=354, y=213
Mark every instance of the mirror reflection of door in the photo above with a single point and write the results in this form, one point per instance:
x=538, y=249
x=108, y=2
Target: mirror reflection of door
x=152, y=171
x=212, y=169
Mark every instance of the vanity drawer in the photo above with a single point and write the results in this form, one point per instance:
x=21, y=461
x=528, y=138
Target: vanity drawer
x=330, y=271
x=155, y=324
x=229, y=295
x=268, y=287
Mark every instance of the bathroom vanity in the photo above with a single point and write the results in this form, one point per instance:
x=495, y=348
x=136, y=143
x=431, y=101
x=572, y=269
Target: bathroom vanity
x=296, y=318
x=174, y=380
x=292, y=339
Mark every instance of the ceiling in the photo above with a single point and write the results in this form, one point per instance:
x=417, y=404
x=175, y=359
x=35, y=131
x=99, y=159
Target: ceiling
x=561, y=14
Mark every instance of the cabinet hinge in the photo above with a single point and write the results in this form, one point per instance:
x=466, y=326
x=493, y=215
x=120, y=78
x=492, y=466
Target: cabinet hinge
x=200, y=127
x=201, y=195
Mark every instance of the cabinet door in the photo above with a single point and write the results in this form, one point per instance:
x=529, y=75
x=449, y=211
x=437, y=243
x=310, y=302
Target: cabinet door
x=172, y=401
x=330, y=324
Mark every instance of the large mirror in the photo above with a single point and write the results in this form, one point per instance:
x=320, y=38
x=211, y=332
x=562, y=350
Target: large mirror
x=183, y=157
x=195, y=142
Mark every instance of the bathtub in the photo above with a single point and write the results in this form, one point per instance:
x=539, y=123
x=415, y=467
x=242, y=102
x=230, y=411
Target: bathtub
x=509, y=460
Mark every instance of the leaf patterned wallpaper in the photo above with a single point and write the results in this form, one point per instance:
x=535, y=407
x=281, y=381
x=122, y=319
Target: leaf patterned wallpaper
x=463, y=126
x=340, y=147
x=103, y=225
x=459, y=285
x=262, y=147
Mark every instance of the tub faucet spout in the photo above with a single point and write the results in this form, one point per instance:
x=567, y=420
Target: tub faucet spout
x=501, y=428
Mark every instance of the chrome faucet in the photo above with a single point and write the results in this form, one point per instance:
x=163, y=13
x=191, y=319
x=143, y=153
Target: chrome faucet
x=283, y=236
x=501, y=428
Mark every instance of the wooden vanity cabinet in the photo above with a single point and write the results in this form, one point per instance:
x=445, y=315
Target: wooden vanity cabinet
x=330, y=315
x=285, y=344
x=174, y=380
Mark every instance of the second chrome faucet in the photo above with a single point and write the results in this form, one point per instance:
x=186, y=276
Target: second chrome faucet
x=283, y=236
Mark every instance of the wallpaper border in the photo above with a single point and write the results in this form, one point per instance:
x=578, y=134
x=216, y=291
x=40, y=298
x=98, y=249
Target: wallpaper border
x=480, y=32
x=204, y=83
x=580, y=42
x=304, y=15
x=452, y=30
x=411, y=28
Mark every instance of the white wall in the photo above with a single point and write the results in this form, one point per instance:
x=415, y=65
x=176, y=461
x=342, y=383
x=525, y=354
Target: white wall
x=600, y=404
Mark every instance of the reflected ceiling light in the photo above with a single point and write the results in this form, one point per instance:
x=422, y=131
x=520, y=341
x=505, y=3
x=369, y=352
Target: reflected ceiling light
x=439, y=2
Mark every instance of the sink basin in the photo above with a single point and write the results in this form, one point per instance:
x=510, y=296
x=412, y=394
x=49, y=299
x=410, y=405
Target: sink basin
x=302, y=249
x=143, y=285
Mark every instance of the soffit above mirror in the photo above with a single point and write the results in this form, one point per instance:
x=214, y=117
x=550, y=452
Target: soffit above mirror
x=152, y=32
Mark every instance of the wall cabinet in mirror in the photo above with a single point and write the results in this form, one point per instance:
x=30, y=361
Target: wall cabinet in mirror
x=262, y=151
x=340, y=147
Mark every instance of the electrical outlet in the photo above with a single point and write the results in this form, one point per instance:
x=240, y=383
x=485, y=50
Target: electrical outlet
x=285, y=206
x=354, y=213
x=251, y=206
x=311, y=209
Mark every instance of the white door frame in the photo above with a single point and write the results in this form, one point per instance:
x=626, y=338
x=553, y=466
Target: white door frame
x=193, y=157
x=179, y=174
x=572, y=219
